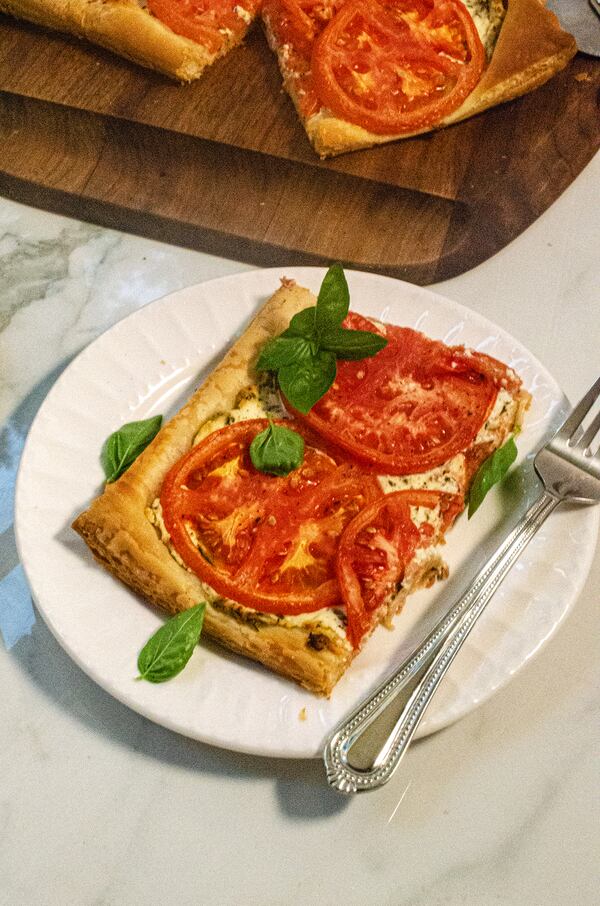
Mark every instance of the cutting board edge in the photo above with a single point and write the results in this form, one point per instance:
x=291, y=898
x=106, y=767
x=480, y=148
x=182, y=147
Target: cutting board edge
x=204, y=238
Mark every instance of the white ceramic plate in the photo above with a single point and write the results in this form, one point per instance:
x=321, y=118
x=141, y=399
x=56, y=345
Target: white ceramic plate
x=148, y=363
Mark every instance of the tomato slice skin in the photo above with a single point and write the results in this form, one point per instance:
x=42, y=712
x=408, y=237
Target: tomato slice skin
x=411, y=407
x=294, y=25
x=298, y=22
x=266, y=542
x=203, y=21
x=397, y=66
x=376, y=548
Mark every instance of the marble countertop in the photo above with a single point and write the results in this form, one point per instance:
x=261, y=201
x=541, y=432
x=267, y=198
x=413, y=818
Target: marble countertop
x=99, y=806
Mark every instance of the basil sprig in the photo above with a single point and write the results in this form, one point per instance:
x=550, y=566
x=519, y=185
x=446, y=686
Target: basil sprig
x=124, y=446
x=304, y=356
x=490, y=472
x=167, y=652
x=277, y=450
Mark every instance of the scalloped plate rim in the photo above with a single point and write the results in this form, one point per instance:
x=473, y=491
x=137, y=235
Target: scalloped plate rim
x=256, y=284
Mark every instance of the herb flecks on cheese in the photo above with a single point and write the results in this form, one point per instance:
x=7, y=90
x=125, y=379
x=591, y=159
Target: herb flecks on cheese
x=427, y=514
x=450, y=477
x=154, y=515
x=327, y=622
x=487, y=16
x=260, y=400
x=504, y=412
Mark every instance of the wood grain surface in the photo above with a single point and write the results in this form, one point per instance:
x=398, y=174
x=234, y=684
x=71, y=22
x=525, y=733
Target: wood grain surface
x=224, y=164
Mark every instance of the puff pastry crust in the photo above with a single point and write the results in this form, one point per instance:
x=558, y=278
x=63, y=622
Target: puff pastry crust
x=122, y=538
x=530, y=49
x=124, y=27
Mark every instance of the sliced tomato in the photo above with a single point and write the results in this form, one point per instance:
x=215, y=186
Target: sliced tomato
x=412, y=407
x=290, y=23
x=294, y=26
x=266, y=542
x=298, y=22
x=207, y=22
x=377, y=546
x=397, y=66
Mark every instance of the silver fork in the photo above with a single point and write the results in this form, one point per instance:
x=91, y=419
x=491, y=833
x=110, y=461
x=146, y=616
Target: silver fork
x=570, y=471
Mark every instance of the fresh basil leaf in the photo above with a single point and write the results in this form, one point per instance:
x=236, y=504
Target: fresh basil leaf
x=333, y=301
x=124, y=446
x=277, y=450
x=167, y=652
x=302, y=324
x=352, y=344
x=304, y=383
x=304, y=355
x=284, y=351
x=490, y=472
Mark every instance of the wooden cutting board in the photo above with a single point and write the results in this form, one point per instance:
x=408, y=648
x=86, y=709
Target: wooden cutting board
x=223, y=165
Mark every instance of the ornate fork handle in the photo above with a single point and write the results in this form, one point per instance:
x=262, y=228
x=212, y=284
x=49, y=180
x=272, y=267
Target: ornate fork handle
x=432, y=659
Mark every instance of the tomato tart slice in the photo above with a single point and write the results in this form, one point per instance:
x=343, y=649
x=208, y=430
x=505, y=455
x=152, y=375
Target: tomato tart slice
x=298, y=568
x=413, y=406
x=179, y=38
x=363, y=72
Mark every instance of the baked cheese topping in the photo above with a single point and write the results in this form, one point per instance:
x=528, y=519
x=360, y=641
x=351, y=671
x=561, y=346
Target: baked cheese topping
x=426, y=514
x=328, y=621
x=487, y=16
x=449, y=477
x=243, y=14
x=504, y=410
x=261, y=401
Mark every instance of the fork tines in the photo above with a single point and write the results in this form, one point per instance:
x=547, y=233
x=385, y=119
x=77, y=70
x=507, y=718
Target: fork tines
x=570, y=429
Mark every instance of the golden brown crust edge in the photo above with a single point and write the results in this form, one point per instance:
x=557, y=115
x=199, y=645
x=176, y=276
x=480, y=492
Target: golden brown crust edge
x=517, y=66
x=531, y=48
x=123, y=27
x=106, y=524
x=122, y=539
